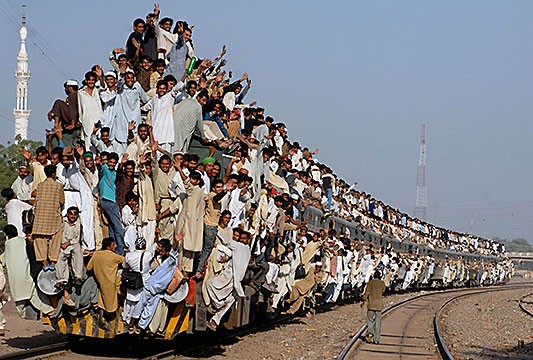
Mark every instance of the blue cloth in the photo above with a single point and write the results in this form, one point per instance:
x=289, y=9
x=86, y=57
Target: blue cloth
x=116, y=231
x=154, y=289
x=127, y=108
x=177, y=57
x=210, y=235
x=216, y=118
x=329, y=196
x=108, y=183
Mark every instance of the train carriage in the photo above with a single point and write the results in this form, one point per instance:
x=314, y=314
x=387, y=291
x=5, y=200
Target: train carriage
x=189, y=314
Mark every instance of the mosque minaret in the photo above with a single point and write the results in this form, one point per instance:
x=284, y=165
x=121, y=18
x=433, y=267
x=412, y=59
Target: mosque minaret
x=21, y=112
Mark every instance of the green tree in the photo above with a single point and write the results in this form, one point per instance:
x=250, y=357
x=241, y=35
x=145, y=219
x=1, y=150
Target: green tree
x=10, y=160
x=516, y=245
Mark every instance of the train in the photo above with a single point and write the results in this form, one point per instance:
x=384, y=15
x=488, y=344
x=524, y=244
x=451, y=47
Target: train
x=189, y=315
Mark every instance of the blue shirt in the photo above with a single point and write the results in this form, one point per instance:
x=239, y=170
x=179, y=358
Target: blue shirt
x=127, y=108
x=108, y=185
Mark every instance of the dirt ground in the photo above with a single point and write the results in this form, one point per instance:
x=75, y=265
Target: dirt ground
x=490, y=327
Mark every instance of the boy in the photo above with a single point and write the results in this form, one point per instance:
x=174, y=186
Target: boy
x=159, y=66
x=129, y=220
x=70, y=250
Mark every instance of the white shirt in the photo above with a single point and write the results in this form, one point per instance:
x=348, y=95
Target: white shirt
x=14, y=209
x=260, y=132
x=23, y=187
x=165, y=39
x=90, y=109
x=162, y=114
x=296, y=160
x=236, y=206
x=108, y=98
x=207, y=183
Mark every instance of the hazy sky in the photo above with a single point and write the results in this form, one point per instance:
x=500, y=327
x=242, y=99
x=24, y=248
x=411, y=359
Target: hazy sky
x=353, y=78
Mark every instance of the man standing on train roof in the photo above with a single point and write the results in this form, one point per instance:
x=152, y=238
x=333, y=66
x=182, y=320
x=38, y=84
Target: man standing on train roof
x=374, y=295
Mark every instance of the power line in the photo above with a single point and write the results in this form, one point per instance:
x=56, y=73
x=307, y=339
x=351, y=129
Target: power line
x=42, y=40
x=39, y=132
x=55, y=62
x=5, y=15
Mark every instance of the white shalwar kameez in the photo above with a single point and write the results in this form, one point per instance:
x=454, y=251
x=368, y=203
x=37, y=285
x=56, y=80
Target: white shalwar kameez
x=132, y=261
x=223, y=288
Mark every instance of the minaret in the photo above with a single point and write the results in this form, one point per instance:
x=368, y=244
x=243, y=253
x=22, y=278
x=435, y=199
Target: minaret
x=21, y=112
x=421, y=186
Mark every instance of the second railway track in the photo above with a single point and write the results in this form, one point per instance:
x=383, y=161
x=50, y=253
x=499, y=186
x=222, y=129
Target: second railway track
x=411, y=329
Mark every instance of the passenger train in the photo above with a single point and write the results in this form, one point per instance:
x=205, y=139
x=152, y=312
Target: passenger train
x=189, y=315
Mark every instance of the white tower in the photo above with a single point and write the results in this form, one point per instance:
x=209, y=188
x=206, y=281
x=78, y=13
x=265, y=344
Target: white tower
x=421, y=186
x=21, y=112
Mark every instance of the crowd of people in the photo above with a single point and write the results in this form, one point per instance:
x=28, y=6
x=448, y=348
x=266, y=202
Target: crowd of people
x=119, y=189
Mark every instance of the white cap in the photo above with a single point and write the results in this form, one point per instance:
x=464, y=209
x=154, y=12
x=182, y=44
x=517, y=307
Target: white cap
x=111, y=73
x=295, y=196
x=71, y=82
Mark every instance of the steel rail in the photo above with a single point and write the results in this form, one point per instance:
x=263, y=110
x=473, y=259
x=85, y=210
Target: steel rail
x=37, y=351
x=445, y=352
x=521, y=303
x=353, y=341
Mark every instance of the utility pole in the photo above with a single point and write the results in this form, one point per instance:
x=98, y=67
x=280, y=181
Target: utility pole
x=421, y=186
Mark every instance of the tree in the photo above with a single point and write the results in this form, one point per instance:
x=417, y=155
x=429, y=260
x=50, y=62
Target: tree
x=516, y=245
x=10, y=160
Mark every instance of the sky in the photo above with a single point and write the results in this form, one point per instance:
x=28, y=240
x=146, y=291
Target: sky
x=355, y=79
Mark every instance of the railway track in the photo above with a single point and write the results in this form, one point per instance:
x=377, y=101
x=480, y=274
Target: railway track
x=399, y=341
x=407, y=324
x=46, y=350
x=143, y=348
x=526, y=303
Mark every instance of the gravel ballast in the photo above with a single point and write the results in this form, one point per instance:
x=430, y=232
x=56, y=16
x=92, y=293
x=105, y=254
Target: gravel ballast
x=488, y=326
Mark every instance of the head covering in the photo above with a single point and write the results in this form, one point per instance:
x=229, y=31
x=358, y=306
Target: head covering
x=88, y=154
x=208, y=160
x=295, y=196
x=111, y=73
x=140, y=243
x=71, y=82
x=22, y=166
